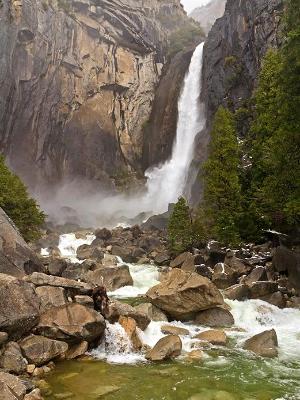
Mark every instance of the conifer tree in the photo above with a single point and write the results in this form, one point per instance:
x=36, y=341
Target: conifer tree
x=180, y=230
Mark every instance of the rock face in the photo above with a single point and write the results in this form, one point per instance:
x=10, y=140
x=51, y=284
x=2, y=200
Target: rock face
x=166, y=348
x=96, y=66
x=264, y=344
x=181, y=295
x=207, y=14
x=19, y=306
x=16, y=257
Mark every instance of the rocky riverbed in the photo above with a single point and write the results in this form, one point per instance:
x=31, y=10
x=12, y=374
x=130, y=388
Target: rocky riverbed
x=209, y=324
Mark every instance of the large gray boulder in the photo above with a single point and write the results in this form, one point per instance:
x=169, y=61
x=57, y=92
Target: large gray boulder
x=39, y=279
x=215, y=317
x=265, y=344
x=111, y=277
x=16, y=257
x=182, y=295
x=19, y=306
x=166, y=348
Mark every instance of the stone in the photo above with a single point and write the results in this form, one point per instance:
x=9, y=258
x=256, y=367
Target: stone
x=195, y=355
x=109, y=260
x=288, y=261
x=39, y=350
x=77, y=350
x=166, y=348
x=181, y=294
x=11, y=385
x=57, y=266
x=129, y=325
x=19, y=306
x=117, y=309
x=174, y=330
x=277, y=299
x=124, y=253
x=257, y=274
x=51, y=296
x=149, y=243
x=154, y=313
x=77, y=271
x=12, y=359
x=86, y=301
x=162, y=258
x=215, y=337
x=215, y=317
x=239, y=266
x=262, y=288
x=204, y=271
x=34, y=395
x=71, y=323
x=111, y=277
x=30, y=369
x=40, y=279
x=179, y=260
x=103, y=391
x=237, y=292
x=3, y=338
x=86, y=251
x=103, y=234
x=264, y=344
x=224, y=276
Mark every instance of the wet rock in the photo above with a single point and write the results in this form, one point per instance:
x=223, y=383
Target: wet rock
x=213, y=336
x=39, y=350
x=71, y=323
x=86, y=301
x=57, y=266
x=166, y=348
x=117, y=309
x=51, y=296
x=19, y=306
x=179, y=260
x=262, y=288
x=12, y=359
x=223, y=276
x=162, y=258
x=77, y=350
x=215, y=317
x=237, y=292
x=103, y=391
x=264, y=344
x=123, y=252
x=34, y=395
x=129, y=325
x=11, y=387
x=277, y=299
x=40, y=279
x=195, y=355
x=258, y=274
x=181, y=295
x=111, y=277
x=154, y=313
x=174, y=330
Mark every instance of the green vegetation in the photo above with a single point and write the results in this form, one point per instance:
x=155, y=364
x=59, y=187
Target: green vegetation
x=184, y=37
x=15, y=201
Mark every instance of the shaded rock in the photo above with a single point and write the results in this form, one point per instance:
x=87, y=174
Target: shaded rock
x=215, y=317
x=213, y=336
x=117, y=309
x=181, y=295
x=179, y=260
x=224, y=276
x=86, y=251
x=19, y=306
x=241, y=267
x=124, y=252
x=288, y=261
x=103, y=234
x=277, y=299
x=76, y=271
x=3, y=338
x=129, y=325
x=34, y=395
x=258, y=274
x=237, y=292
x=77, y=350
x=39, y=350
x=57, y=266
x=71, y=323
x=174, y=330
x=86, y=301
x=111, y=277
x=262, y=288
x=162, y=258
x=12, y=359
x=166, y=348
x=40, y=279
x=264, y=344
x=149, y=243
x=11, y=387
x=204, y=271
x=154, y=313
x=51, y=296
x=216, y=254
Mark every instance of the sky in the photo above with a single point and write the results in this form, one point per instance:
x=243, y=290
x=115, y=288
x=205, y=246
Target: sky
x=189, y=5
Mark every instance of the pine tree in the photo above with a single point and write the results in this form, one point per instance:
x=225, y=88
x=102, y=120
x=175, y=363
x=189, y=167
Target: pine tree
x=180, y=229
x=16, y=202
x=221, y=206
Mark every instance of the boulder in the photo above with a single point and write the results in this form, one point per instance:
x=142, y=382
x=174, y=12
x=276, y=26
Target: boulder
x=77, y=350
x=88, y=252
x=241, y=267
x=103, y=234
x=149, y=243
x=262, y=288
x=189, y=263
x=166, y=348
x=35, y=394
x=3, y=338
x=111, y=277
x=257, y=274
x=109, y=260
x=179, y=260
x=195, y=355
x=213, y=336
x=237, y=292
x=204, y=271
x=19, y=306
x=162, y=258
x=215, y=317
x=277, y=299
x=12, y=359
x=129, y=325
x=264, y=344
x=117, y=309
x=174, y=330
x=39, y=350
x=124, y=252
x=181, y=294
x=71, y=323
x=51, y=296
x=223, y=276
x=216, y=254
x=11, y=387
x=288, y=261
x=40, y=279
x=57, y=266
x=154, y=313
x=86, y=301
x=77, y=271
